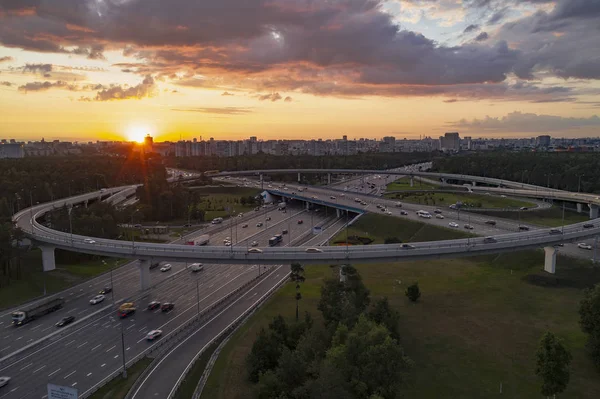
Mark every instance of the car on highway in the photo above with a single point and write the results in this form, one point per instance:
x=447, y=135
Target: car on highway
x=97, y=299
x=583, y=245
x=437, y=211
x=379, y=206
x=226, y=239
x=254, y=244
x=153, y=305
x=187, y=225
x=254, y=250
x=105, y=290
x=166, y=268
x=403, y=213
x=490, y=222
x=152, y=335
x=89, y=241
x=284, y=231
x=257, y=209
x=313, y=250
x=268, y=219
x=523, y=208
x=468, y=227
x=489, y=240
x=167, y=307
x=227, y=243
x=439, y=216
x=300, y=221
x=555, y=231
x=314, y=197
x=388, y=212
x=244, y=225
x=332, y=197
x=407, y=246
x=4, y=381
x=65, y=320
x=588, y=225
x=524, y=228
x=259, y=224
x=453, y=224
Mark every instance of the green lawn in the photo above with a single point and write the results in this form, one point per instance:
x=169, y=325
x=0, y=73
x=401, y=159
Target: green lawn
x=118, y=388
x=379, y=227
x=476, y=326
x=189, y=383
x=31, y=285
x=546, y=217
x=446, y=199
x=404, y=184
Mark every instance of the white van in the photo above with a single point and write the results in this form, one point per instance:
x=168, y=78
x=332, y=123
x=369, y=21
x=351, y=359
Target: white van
x=196, y=267
x=424, y=214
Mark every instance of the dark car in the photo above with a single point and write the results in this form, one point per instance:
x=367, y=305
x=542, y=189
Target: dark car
x=153, y=305
x=284, y=231
x=403, y=213
x=187, y=225
x=105, y=290
x=300, y=221
x=123, y=313
x=524, y=228
x=588, y=225
x=167, y=307
x=154, y=265
x=65, y=320
x=491, y=222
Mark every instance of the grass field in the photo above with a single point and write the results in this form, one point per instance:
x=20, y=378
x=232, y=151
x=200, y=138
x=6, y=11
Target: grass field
x=545, y=217
x=474, y=200
x=404, y=184
x=379, y=227
x=118, y=388
x=476, y=326
x=65, y=275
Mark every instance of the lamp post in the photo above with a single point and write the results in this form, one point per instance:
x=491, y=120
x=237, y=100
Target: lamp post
x=579, y=182
x=123, y=351
x=69, y=210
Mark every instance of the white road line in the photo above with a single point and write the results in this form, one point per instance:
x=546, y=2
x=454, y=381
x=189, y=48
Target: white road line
x=24, y=367
x=19, y=338
x=73, y=384
x=8, y=326
x=88, y=374
x=70, y=374
x=96, y=347
x=103, y=364
x=69, y=343
x=116, y=357
x=128, y=348
x=3, y=349
x=36, y=327
x=46, y=329
x=131, y=326
x=143, y=328
x=14, y=389
x=79, y=346
x=54, y=372
x=111, y=348
x=41, y=368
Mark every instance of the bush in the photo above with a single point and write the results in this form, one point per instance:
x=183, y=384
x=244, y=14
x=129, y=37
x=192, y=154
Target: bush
x=413, y=292
x=392, y=240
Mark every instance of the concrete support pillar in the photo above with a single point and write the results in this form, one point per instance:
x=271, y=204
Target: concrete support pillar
x=48, y=262
x=443, y=180
x=579, y=208
x=299, y=179
x=144, y=267
x=338, y=213
x=86, y=204
x=412, y=181
x=474, y=183
x=550, y=259
x=328, y=178
x=593, y=211
x=307, y=205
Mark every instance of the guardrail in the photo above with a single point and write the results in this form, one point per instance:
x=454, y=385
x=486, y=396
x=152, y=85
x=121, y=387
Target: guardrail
x=226, y=332
x=165, y=343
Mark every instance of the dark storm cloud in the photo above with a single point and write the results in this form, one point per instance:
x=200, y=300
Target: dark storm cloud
x=471, y=28
x=482, y=37
x=38, y=68
x=270, y=97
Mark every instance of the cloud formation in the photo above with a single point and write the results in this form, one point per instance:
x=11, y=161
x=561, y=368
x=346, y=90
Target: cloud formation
x=5, y=83
x=270, y=97
x=37, y=68
x=216, y=110
x=116, y=92
x=527, y=122
x=44, y=86
x=6, y=59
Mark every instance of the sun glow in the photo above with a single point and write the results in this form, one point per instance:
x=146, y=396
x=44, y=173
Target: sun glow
x=137, y=133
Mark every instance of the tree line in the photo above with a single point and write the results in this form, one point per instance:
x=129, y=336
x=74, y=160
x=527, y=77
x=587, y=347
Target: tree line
x=354, y=353
x=565, y=171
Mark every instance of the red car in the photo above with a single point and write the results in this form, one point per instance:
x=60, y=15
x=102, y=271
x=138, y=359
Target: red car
x=167, y=307
x=153, y=305
x=300, y=221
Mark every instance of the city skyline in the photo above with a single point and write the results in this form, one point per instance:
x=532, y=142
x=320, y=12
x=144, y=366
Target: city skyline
x=298, y=70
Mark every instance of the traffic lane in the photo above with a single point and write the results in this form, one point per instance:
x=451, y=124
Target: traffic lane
x=328, y=232
x=97, y=356
x=161, y=380
x=273, y=227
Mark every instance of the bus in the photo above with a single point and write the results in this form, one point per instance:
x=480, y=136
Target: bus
x=424, y=214
x=276, y=239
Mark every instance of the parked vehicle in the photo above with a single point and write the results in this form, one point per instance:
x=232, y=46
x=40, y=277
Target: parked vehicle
x=32, y=312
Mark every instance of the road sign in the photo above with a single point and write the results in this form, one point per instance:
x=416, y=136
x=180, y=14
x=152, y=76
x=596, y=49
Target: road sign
x=60, y=392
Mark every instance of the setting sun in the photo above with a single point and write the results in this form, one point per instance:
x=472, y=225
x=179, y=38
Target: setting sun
x=137, y=133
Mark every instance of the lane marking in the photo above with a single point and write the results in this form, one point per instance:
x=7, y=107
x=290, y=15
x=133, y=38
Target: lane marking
x=41, y=368
x=103, y=364
x=69, y=343
x=73, y=384
x=54, y=372
x=111, y=348
x=116, y=357
x=70, y=374
x=79, y=346
x=96, y=347
x=25, y=367
x=88, y=374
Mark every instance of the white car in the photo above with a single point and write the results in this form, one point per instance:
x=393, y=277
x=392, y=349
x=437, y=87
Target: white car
x=254, y=243
x=583, y=245
x=227, y=243
x=313, y=250
x=152, y=335
x=438, y=216
x=388, y=212
x=453, y=224
x=166, y=268
x=244, y=225
x=227, y=239
x=254, y=250
x=97, y=299
x=4, y=381
x=89, y=241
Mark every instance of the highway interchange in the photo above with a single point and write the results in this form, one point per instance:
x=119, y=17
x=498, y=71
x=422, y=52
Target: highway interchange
x=88, y=352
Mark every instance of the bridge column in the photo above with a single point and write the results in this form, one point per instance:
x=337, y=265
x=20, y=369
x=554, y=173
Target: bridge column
x=412, y=181
x=328, y=178
x=48, y=262
x=579, y=208
x=593, y=211
x=337, y=213
x=443, y=181
x=474, y=183
x=307, y=205
x=299, y=179
x=144, y=267
x=550, y=259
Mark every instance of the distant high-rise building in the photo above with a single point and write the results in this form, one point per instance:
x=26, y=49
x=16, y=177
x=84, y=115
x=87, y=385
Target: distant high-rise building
x=542, y=141
x=11, y=151
x=148, y=143
x=450, y=142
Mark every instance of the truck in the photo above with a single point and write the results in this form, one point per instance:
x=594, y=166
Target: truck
x=32, y=312
x=276, y=239
x=281, y=205
x=126, y=309
x=202, y=240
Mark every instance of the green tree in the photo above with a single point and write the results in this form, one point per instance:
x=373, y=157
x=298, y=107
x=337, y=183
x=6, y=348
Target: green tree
x=264, y=354
x=297, y=275
x=343, y=301
x=589, y=313
x=553, y=361
x=382, y=313
x=413, y=292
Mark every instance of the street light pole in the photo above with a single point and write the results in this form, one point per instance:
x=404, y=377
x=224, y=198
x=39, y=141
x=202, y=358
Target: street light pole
x=69, y=210
x=198, y=297
x=123, y=350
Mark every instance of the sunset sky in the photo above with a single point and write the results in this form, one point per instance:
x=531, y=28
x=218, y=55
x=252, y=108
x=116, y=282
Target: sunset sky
x=229, y=69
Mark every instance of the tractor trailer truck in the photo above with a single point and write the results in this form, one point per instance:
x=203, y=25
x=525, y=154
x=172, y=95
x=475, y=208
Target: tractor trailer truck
x=32, y=312
x=202, y=240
